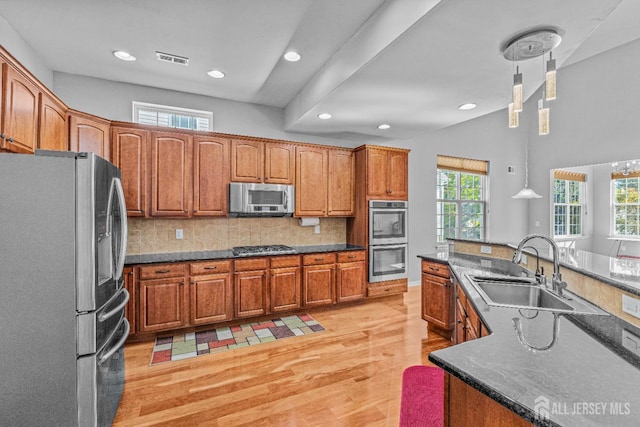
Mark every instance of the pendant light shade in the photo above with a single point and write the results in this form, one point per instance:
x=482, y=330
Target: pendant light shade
x=543, y=119
x=517, y=92
x=514, y=117
x=526, y=192
x=550, y=79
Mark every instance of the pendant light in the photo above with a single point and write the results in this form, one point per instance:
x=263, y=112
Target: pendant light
x=532, y=44
x=526, y=192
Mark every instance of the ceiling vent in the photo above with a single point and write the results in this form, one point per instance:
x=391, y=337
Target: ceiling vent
x=174, y=59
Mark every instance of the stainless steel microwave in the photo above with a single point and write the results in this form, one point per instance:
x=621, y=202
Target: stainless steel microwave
x=247, y=199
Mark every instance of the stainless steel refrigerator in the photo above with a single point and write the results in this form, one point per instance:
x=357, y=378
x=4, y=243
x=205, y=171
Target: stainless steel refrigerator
x=63, y=237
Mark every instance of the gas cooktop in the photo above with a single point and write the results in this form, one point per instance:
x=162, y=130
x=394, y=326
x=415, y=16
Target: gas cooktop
x=262, y=250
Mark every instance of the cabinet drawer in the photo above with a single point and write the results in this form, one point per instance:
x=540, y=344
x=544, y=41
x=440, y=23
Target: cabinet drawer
x=435, y=268
x=209, y=267
x=390, y=289
x=323, y=258
x=251, y=264
x=351, y=256
x=285, y=261
x=159, y=271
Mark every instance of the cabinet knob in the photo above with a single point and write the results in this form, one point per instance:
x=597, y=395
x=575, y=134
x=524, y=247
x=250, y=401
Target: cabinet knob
x=10, y=140
x=186, y=211
x=2, y=135
x=193, y=282
x=182, y=283
x=142, y=210
x=195, y=210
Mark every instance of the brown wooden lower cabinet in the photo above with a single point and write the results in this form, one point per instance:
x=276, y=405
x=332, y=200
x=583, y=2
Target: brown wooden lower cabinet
x=162, y=298
x=211, y=292
x=438, y=298
x=285, y=283
x=468, y=323
x=466, y=406
x=177, y=295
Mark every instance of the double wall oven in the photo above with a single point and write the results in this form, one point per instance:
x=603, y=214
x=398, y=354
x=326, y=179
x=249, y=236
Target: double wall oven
x=63, y=238
x=388, y=239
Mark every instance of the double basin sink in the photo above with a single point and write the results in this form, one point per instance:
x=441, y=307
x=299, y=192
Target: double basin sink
x=526, y=293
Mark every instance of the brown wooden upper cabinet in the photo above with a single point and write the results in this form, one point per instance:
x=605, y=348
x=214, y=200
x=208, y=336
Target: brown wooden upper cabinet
x=210, y=176
x=262, y=161
x=387, y=173
x=131, y=154
x=325, y=181
x=341, y=183
x=89, y=133
x=53, y=132
x=19, y=112
x=171, y=176
x=311, y=181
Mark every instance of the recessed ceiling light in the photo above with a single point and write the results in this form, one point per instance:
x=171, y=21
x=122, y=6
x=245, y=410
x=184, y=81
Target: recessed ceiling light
x=384, y=126
x=216, y=74
x=125, y=56
x=468, y=106
x=324, y=116
x=292, y=56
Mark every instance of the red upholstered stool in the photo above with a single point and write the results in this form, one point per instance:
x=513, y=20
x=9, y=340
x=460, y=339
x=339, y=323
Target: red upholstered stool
x=422, y=401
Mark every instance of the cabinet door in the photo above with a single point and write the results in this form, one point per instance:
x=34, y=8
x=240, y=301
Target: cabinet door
x=311, y=181
x=129, y=278
x=350, y=281
x=286, y=288
x=398, y=174
x=436, y=302
x=377, y=171
x=211, y=299
x=251, y=293
x=247, y=160
x=20, y=113
x=210, y=176
x=318, y=285
x=341, y=184
x=162, y=304
x=279, y=163
x=53, y=133
x=90, y=134
x=171, y=177
x=130, y=154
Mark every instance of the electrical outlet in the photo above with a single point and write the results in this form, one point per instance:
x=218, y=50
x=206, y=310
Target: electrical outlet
x=537, y=223
x=631, y=342
x=485, y=263
x=524, y=259
x=623, y=248
x=485, y=249
x=179, y=234
x=631, y=306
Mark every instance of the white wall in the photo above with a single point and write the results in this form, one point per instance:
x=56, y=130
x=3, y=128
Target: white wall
x=20, y=50
x=112, y=100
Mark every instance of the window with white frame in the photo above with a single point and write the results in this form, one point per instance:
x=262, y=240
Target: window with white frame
x=461, y=192
x=626, y=206
x=568, y=203
x=174, y=117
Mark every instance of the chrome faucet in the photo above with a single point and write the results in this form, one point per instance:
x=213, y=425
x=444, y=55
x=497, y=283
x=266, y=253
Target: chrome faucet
x=558, y=285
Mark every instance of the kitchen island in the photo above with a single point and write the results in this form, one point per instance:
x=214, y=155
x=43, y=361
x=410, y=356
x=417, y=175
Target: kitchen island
x=586, y=378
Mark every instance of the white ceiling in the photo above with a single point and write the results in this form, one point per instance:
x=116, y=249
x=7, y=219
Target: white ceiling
x=408, y=63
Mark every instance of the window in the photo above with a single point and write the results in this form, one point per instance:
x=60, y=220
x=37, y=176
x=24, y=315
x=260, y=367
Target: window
x=461, y=198
x=174, y=117
x=626, y=207
x=568, y=203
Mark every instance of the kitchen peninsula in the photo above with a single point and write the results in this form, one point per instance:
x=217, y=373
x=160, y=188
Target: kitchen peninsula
x=587, y=377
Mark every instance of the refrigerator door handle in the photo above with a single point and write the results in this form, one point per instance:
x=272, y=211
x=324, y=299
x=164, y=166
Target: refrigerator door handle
x=104, y=316
x=123, y=228
x=106, y=356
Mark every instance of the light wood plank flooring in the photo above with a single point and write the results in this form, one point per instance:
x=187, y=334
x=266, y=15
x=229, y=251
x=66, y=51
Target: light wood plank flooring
x=348, y=375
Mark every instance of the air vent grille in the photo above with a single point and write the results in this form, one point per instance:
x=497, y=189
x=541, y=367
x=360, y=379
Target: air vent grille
x=174, y=59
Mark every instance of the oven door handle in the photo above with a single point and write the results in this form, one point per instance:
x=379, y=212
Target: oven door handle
x=104, y=316
x=106, y=356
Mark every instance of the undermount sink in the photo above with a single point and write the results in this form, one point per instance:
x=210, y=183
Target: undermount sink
x=518, y=292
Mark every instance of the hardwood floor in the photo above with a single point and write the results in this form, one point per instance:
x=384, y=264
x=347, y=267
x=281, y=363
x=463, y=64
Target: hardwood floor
x=348, y=375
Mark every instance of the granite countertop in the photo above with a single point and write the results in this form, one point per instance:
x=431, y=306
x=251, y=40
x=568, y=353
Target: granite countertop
x=585, y=379
x=228, y=254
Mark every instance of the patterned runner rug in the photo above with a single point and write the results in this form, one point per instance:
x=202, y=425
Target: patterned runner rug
x=183, y=346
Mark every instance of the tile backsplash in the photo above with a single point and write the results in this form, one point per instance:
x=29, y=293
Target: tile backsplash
x=149, y=236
